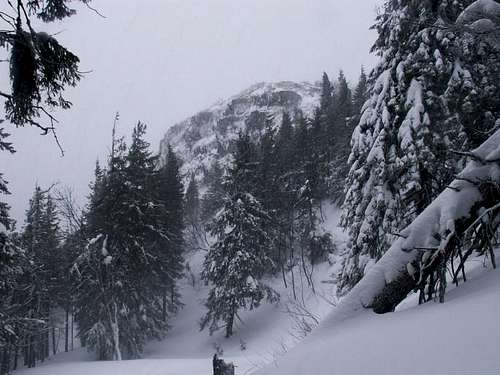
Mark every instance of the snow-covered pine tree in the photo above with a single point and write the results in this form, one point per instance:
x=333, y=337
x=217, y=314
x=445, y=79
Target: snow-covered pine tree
x=326, y=100
x=146, y=243
x=399, y=159
x=285, y=175
x=39, y=239
x=131, y=259
x=49, y=265
x=267, y=164
x=473, y=94
x=342, y=98
x=359, y=97
x=13, y=264
x=170, y=192
x=341, y=129
x=322, y=126
x=236, y=262
x=8, y=272
x=461, y=221
x=192, y=201
x=13, y=319
x=97, y=283
x=284, y=143
x=212, y=200
x=192, y=212
x=319, y=152
x=4, y=208
x=313, y=245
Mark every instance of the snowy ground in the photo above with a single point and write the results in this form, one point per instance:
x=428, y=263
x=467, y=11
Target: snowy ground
x=266, y=333
x=458, y=337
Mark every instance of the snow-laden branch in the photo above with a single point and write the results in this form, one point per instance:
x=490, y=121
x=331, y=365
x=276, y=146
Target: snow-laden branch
x=439, y=228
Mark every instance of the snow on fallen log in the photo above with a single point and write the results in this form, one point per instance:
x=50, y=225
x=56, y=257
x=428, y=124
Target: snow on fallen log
x=434, y=232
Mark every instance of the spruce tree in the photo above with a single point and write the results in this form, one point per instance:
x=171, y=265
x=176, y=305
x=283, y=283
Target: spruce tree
x=170, y=192
x=13, y=264
x=4, y=208
x=15, y=296
x=399, y=160
x=286, y=178
x=8, y=276
x=192, y=201
x=133, y=254
x=40, y=239
x=473, y=94
x=359, y=97
x=326, y=99
x=341, y=129
x=237, y=260
x=193, y=215
x=211, y=202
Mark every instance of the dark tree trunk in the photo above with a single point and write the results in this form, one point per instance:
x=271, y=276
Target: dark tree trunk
x=229, y=325
x=72, y=328
x=32, y=352
x=16, y=356
x=164, y=308
x=54, y=345
x=66, y=331
x=5, y=365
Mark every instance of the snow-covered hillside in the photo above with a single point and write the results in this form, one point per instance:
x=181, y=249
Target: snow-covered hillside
x=208, y=135
x=261, y=336
x=458, y=337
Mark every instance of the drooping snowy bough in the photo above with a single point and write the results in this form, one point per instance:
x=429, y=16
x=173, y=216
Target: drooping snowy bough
x=461, y=220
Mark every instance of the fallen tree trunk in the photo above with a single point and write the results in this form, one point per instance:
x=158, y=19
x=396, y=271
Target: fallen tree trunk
x=467, y=212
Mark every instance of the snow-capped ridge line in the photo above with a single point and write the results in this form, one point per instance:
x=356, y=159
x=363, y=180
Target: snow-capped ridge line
x=206, y=137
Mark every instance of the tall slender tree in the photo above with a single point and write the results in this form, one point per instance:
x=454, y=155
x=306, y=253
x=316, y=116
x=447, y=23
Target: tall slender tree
x=211, y=201
x=359, y=97
x=193, y=215
x=341, y=129
x=132, y=257
x=238, y=259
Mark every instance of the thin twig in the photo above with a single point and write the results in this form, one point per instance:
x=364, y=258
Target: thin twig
x=94, y=10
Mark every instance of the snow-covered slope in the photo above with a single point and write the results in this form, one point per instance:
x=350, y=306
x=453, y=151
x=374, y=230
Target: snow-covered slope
x=208, y=135
x=458, y=337
x=261, y=336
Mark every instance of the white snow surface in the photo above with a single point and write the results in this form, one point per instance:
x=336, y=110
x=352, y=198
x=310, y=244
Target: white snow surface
x=458, y=337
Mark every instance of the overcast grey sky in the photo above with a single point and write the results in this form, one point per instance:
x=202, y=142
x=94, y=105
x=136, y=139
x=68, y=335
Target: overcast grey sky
x=161, y=61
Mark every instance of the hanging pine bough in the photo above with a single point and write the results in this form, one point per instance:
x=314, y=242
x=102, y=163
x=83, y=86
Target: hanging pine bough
x=462, y=220
x=40, y=68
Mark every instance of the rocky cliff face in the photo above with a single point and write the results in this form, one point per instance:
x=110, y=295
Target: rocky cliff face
x=209, y=135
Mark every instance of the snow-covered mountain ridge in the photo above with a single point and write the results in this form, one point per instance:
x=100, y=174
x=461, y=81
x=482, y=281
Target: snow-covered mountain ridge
x=207, y=136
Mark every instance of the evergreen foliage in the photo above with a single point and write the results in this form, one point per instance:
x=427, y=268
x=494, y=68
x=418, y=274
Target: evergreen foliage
x=194, y=228
x=341, y=128
x=211, y=201
x=400, y=158
x=133, y=252
x=238, y=259
x=40, y=68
